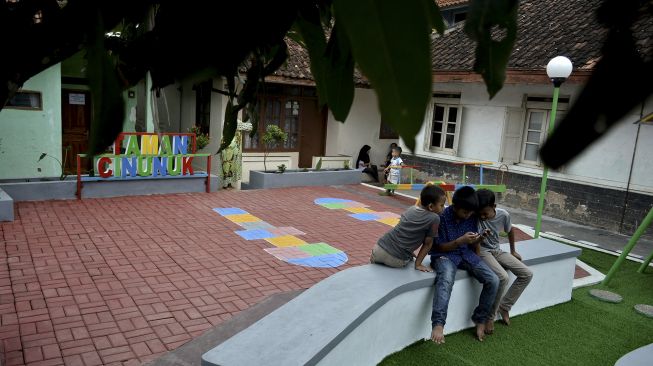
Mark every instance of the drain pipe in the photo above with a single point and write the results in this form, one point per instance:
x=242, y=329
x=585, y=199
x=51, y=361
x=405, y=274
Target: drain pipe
x=630, y=172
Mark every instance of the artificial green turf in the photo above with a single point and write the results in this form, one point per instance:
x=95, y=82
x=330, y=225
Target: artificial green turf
x=584, y=331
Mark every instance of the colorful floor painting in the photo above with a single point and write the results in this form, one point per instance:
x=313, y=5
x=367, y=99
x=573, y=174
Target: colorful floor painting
x=288, y=247
x=358, y=210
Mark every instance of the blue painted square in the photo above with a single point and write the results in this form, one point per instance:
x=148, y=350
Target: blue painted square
x=229, y=211
x=365, y=216
x=255, y=234
x=321, y=201
x=258, y=225
x=323, y=261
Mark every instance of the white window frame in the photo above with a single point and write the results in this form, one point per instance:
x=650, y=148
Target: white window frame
x=543, y=133
x=447, y=103
x=544, y=107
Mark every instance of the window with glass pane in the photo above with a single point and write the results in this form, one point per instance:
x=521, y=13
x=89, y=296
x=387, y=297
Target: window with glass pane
x=438, y=122
x=534, y=134
x=445, y=126
x=291, y=125
x=25, y=100
x=281, y=111
x=452, y=116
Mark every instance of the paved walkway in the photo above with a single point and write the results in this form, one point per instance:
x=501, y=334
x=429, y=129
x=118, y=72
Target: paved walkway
x=123, y=280
x=120, y=281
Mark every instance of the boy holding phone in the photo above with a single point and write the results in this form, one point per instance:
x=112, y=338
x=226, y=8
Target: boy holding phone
x=456, y=248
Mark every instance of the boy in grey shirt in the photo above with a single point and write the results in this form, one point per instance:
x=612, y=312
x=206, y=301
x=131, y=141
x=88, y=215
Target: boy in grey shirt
x=492, y=221
x=417, y=226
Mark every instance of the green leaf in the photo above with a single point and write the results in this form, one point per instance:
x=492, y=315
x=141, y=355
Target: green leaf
x=435, y=16
x=106, y=93
x=390, y=42
x=339, y=74
x=312, y=36
x=485, y=23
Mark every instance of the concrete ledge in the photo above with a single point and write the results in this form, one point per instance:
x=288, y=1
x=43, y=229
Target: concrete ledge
x=360, y=315
x=6, y=207
x=261, y=180
x=65, y=189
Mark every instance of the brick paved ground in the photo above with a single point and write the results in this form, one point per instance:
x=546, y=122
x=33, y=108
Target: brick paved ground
x=123, y=280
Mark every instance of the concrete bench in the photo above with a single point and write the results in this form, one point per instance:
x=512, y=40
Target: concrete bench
x=6, y=207
x=362, y=314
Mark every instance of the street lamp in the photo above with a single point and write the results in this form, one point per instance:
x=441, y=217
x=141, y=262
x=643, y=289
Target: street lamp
x=558, y=70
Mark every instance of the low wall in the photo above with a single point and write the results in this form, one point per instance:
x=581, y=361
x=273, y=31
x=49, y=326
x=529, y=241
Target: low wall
x=6, y=207
x=260, y=180
x=333, y=162
x=601, y=207
x=65, y=189
x=360, y=315
x=254, y=161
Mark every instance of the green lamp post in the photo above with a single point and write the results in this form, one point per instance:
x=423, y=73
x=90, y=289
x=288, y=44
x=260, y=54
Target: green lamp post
x=558, y=70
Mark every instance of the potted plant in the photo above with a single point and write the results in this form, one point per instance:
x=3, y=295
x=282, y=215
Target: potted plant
x=272, y=137
x=201, y=139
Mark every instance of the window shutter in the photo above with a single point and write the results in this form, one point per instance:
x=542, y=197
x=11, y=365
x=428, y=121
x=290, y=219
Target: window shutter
x=512, y=135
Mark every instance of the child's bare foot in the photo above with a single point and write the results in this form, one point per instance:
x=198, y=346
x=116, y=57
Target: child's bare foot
x=505, y=316
x=480, y=331
x=437, y=335
x=489, y=326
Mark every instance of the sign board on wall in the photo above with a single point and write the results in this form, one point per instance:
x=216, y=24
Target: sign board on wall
x=77, y=98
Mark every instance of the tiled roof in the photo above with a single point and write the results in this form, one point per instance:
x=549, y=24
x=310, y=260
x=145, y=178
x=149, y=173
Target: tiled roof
x=545, y=29
x=298, y=66
x=443, y=4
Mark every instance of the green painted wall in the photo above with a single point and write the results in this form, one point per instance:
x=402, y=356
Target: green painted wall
x=24, y=134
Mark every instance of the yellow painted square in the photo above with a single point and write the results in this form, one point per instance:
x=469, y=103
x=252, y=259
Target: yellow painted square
x=242, y=218
x=285, y=241
x=358, y=209
x=392, y=221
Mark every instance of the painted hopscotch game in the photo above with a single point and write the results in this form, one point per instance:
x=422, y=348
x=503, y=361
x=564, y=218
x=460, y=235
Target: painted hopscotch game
x=359, y=211
x=288, y=247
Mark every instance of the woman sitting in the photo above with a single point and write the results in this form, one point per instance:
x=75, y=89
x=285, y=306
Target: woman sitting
x=363, y=163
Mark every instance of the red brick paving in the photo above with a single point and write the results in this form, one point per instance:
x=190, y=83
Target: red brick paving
x=119, y=281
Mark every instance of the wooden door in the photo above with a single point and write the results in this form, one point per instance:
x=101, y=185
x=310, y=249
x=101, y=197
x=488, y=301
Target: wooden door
x=75, y=125
x=312, y=132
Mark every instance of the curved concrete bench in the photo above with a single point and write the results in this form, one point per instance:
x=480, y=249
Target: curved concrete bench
x=362, y=314
x=639, y=357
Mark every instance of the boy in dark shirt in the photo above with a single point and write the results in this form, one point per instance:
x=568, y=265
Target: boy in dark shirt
x=456, y=248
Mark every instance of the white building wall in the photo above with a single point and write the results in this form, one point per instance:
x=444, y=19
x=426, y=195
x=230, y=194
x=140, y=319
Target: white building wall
x=361, y=127
x=606, y=163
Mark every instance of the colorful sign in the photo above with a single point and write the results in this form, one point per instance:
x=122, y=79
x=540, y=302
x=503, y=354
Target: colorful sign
x=148, y=155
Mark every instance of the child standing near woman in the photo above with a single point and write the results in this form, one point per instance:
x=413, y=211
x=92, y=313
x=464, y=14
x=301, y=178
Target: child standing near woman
x=394, y=168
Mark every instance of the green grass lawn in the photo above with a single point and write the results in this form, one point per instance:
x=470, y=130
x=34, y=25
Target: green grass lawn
x=584, y=331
